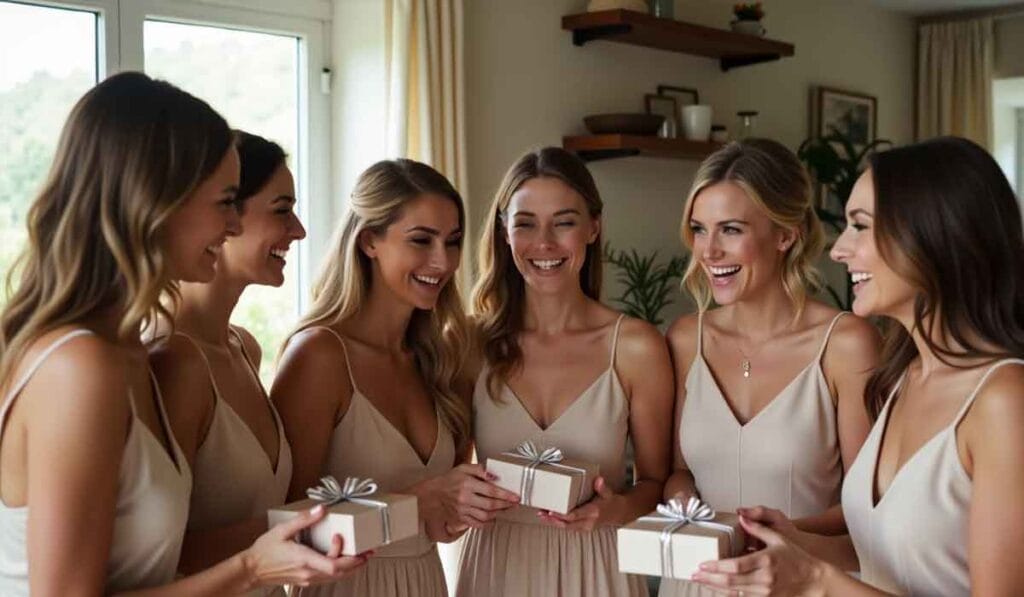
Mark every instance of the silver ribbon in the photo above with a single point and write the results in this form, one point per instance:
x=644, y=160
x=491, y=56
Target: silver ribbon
x=549, y=456
x=354, y=490
x=695, y=512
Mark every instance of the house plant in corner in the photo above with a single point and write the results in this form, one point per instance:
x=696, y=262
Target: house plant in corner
x=647, y=285
x=748, y=18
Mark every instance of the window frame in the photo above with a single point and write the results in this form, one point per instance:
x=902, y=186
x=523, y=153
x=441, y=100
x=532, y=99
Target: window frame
x=120, y=47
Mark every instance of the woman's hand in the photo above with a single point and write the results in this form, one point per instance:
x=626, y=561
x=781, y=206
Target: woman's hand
x=276, y=559
x=602, y=509
x=465, y=497
x=781, y=568
x=773, y=519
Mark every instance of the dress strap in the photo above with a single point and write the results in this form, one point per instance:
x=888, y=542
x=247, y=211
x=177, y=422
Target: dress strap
x=615, y=339
x=206, y=361
x=36, y=364
x=828, y=333
x=700, y=333
x=248, y=360
x=344, y=349
x=970, y=399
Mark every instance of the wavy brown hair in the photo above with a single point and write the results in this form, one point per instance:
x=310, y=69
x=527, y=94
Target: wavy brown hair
x=436, y=337
x=947, y=221
x=775, y=180
x=499, y=292
x=132, y=150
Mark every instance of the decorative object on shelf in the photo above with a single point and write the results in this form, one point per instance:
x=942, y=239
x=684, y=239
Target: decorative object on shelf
x=719, y=134
x=748, y=118
x=663, y=9
x=623, y=124
x=684, y=96
x=835, y=163
x=634, y=5
x=666, y=106
x=748, y=19
x=697, y=122
x=850, y=114
x=648, y=286
x=627, y=27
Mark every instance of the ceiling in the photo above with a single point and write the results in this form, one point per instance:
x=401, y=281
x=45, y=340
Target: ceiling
x=923, y=7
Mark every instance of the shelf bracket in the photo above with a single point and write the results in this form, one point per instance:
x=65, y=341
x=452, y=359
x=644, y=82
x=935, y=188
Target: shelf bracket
x=582, y=36
x=737, y=61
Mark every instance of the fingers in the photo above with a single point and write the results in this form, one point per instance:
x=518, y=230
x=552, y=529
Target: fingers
x=337, y=544
x=308, y=518
x=763, y=515
x=487, y=496
x=475, y=517
x=759, y=531
x=476, y=470
x=601, y=488
x=491, y=490
x=740, y=565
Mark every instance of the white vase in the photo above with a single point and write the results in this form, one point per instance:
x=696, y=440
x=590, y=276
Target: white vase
x=748, y=27
x=697, y=122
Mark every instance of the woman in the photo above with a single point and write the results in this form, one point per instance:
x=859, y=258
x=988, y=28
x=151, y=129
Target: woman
x=93, y=484
x=208, y=371
x=561, y=369
x=769, y=384
x=934, y=243
x=369, y=385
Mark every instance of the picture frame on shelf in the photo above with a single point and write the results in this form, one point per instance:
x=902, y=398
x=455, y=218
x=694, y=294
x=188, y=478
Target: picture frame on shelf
x=852, y=114
x=684, y=96
x=667, y=106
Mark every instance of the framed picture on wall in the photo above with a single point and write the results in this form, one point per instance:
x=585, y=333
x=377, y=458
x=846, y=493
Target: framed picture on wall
x=851, y=114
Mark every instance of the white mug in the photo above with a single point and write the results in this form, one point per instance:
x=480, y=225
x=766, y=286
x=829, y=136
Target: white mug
x=697, y=122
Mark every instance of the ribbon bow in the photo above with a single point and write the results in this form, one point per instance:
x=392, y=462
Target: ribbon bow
x=695, y=512
x=354, y=490
x=549, y=456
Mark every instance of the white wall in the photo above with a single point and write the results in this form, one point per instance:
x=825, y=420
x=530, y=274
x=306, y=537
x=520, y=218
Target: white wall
x=527, y=86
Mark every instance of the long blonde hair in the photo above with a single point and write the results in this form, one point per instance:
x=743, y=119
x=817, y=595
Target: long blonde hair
x=776, y=181
x=436, y=337
x=499, y=293
x=132, y=150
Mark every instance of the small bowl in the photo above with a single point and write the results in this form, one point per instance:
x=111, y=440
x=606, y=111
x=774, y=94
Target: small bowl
x=623, y=124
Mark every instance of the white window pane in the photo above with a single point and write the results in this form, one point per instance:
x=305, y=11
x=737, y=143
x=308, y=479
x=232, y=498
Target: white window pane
x=47, y=61
x=252, y=79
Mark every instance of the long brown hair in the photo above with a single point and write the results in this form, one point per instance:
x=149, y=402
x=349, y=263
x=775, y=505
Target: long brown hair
x=947, y=220
x=132, y=150
x=498, y=294
x=436, y=337
x=775, y=180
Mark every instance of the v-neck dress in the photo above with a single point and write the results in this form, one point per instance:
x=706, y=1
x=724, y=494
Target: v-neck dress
x=520, y=556
x=152, y=505
x=913, y=541
x=234, y=477
x=787, y=457
x=365, y=444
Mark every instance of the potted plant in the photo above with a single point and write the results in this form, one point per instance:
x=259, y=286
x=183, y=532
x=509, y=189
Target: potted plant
x=647, y=284
x=748, y=18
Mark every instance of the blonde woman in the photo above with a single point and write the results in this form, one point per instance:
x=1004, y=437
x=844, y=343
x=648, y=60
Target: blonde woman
x=208, y=371
x=94, y=487
x=561, y=369
x=769, y=383
x=369, y=385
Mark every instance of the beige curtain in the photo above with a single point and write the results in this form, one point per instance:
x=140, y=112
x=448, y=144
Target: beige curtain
x=954, y=80
x=426, y=88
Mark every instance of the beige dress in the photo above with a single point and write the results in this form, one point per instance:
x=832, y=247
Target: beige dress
x=787, y=457
x=913, y=541
x=152, y=505
x=519, y=556
x=234, y=479
x=365, y=444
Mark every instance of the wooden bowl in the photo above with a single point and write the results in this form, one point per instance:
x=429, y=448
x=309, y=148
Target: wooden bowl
x=623, y=124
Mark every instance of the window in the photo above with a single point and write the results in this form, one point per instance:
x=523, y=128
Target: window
x=48, y=59
x=258, y=62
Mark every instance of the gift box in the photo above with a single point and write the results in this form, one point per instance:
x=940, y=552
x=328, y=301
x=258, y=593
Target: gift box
x=364, y=518
x=674, y=540
x=544, y=479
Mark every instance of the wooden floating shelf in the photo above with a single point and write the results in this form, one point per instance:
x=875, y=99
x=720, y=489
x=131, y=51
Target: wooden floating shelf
x=639, y=29
x=602, y=147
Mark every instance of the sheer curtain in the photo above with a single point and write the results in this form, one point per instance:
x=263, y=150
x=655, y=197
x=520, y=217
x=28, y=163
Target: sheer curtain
x=426, y=112
x=954, y=80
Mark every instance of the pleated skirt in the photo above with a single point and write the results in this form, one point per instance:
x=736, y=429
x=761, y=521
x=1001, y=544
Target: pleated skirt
x=413, y=576
x=514, y=559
